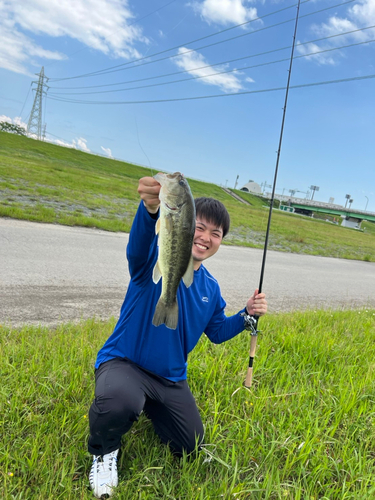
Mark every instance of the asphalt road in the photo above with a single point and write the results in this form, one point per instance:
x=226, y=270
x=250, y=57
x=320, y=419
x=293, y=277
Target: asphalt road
x=51, y=274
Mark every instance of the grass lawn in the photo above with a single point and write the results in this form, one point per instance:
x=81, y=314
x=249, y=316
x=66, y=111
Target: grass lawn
x=305, y=430
x=48, y=183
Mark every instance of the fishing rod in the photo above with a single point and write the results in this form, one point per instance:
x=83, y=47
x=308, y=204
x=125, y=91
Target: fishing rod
x=251, y=322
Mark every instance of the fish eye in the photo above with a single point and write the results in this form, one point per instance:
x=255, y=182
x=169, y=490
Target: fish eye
x=182, y=182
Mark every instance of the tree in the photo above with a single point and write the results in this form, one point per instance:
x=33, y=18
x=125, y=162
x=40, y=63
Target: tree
x=12, y=128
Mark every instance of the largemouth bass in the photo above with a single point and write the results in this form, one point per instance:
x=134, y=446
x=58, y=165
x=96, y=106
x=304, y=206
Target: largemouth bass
x=175, y=228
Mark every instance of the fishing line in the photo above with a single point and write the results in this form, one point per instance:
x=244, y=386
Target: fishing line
x=252, y=322
x=140, y=145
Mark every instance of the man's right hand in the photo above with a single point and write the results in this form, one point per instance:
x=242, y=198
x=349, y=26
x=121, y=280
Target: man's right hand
x=148, y=189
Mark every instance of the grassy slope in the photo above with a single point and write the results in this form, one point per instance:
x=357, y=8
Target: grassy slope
x=305, y=431
x=48, y=183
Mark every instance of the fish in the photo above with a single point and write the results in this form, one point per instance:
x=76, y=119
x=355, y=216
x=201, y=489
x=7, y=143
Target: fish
x=175, y=229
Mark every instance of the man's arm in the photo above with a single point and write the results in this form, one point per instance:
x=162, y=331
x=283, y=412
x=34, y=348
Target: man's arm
x=142, y=239
x=222, y=328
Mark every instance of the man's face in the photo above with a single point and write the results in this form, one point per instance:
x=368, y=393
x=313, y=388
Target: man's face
x=207, y=240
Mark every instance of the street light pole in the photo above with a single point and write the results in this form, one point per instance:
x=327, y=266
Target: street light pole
x=347, y=196
x=313, y=189
x=366, y=203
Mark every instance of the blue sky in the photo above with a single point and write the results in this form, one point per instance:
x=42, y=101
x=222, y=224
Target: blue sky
x=329, y=129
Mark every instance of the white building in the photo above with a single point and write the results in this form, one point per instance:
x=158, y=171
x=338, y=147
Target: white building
x=252, y=187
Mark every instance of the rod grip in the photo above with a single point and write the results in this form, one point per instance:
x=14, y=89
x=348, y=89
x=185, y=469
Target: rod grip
x=249, y=374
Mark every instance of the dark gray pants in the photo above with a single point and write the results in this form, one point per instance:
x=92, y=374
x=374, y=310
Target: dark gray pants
x=123, y=390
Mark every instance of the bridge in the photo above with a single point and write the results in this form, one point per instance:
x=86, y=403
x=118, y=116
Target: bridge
x=327, y=208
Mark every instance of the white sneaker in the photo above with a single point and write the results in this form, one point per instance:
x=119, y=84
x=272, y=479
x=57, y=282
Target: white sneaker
x=103, y=475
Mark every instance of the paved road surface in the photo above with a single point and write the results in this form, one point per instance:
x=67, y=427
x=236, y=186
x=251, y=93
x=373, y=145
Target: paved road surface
x=50, y=274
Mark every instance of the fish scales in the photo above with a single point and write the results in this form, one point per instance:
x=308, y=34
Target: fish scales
x=175, y=227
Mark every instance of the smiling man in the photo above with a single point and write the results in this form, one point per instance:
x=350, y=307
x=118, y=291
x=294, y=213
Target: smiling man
x=142, y=367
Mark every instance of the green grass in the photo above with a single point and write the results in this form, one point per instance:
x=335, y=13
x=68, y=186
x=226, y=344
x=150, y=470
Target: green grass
x=48, y=183
x=306, y=429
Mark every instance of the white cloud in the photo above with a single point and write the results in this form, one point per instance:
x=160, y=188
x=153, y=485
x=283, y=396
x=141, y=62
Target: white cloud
x=322, y=59
x=17, y=51
x=192, y=61
x=361, y=15
x=363, y=12
x=107, y=151
x=225, y=11
x=99, y=24
x=16, y=121
x=79, y=143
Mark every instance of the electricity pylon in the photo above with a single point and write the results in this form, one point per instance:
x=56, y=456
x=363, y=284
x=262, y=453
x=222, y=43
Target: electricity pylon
x=34, y=126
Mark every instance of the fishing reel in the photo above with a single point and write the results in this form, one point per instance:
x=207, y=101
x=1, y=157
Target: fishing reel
x=250, y=323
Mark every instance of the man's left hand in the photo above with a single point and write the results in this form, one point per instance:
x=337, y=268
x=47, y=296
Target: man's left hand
x=257, y=304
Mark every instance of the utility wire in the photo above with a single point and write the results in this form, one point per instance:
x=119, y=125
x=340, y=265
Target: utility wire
x=57, y=137
x=122, y=68
x=105, y=70
x=213, y=74
x=31, y=84
x=328, y=82
x=215, y=64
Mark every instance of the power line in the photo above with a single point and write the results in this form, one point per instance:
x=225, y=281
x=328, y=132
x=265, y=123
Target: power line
x=31, y=84
x=328, y=82
x=215, y=64
x=122, y=66
x=105, y=70
x=213, y=74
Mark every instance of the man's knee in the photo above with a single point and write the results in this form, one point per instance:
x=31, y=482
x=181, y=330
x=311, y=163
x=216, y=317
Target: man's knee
x=119, y=405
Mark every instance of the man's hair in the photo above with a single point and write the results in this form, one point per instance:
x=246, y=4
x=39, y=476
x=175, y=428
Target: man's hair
x=213, y=211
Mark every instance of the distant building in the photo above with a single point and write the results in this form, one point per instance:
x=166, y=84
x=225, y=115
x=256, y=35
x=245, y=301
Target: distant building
x=252, y=187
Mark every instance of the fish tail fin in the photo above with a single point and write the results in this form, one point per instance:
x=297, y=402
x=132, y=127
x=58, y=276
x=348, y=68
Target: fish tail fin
x=167, y=315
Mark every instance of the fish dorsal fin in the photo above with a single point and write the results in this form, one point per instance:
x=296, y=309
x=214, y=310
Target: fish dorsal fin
x=188, y=277
x=156, y=274
x=157, y=226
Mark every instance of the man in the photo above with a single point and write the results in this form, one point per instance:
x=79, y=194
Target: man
x=142, y=367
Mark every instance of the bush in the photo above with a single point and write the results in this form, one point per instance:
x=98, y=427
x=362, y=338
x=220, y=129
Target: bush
x=12, y=128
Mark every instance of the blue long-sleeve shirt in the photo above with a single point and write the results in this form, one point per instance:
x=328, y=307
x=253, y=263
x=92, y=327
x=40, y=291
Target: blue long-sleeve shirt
x=201, y=309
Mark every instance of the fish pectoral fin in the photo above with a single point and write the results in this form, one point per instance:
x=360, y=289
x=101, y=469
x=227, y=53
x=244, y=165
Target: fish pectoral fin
x=156, y=273
x=157, y=226
x=188, y=277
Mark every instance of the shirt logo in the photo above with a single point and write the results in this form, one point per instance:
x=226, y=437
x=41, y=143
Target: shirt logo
x=204, y=299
